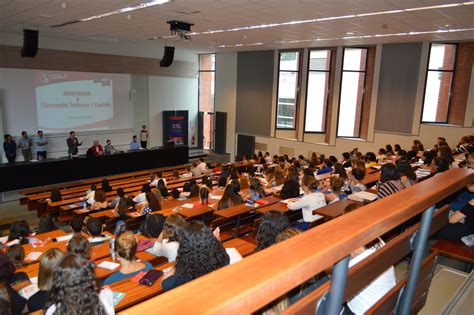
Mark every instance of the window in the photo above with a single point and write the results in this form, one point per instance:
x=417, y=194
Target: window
x=352, y=92
x=439, y=80
x=288, y=87
x=207, y=77
x=318, y=90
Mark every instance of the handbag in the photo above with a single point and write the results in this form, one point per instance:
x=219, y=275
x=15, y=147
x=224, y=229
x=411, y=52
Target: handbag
x=150, y=277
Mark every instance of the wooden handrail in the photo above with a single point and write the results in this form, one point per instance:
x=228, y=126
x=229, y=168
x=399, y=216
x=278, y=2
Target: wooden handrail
x=261, y=278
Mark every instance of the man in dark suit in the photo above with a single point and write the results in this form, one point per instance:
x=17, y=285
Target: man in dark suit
x=72, y=144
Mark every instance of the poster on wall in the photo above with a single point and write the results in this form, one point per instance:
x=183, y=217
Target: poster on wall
x=175, y=126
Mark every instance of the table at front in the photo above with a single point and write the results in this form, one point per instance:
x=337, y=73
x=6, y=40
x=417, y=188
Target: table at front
x=52, y=171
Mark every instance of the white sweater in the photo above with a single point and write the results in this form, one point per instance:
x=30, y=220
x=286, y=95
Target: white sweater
x=308, y=203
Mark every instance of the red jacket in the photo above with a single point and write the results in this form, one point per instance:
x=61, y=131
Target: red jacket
x=97, y=150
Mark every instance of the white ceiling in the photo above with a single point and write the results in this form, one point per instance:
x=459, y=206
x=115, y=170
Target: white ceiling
x=226, y=14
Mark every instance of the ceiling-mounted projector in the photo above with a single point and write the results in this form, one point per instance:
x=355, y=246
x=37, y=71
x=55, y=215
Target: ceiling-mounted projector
x=180, y=29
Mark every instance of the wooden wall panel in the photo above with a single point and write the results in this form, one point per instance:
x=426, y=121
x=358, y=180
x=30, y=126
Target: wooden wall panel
x=49, y=59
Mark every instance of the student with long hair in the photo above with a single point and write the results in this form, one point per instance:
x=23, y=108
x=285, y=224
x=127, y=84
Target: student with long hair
x=152, y=204
x=389, y=182
x=100, y=201
x=255, y=191
x=230, y=197
x=272, y=224
x=20, y=230
x=199, y=253
x=79, y=245
x=167, y=243
x=55, y=195
x=16, y=254
x=407, y=174
x=126, y=248
x=74, y=290
x=48, y=264
x=311, y=200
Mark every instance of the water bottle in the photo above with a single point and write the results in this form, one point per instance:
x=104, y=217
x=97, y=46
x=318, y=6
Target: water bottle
x=112, y=248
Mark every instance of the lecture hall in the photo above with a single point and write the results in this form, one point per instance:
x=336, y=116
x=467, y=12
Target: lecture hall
x=308, y=157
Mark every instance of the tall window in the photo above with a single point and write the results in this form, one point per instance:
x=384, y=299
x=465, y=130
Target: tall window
x=207, y=76
x=318, y=90
x=438, y=83
x=352, y=92
x=288, y=81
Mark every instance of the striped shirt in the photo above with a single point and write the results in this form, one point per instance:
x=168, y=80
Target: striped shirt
x=388, y=188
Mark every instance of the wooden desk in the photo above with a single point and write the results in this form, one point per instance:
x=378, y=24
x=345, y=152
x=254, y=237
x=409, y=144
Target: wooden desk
x=52, y=234
x=333, y=210
x=279, y=206
x=244, y=247
x=195, y=212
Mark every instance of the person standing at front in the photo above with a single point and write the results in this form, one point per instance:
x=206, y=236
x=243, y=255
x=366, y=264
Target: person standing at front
x=72, y=144
x=25, y=145
x=143, y=137
x=41, y=143
x=9, y=146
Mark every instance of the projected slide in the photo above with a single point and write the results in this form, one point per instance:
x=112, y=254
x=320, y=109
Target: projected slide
x=73, y=101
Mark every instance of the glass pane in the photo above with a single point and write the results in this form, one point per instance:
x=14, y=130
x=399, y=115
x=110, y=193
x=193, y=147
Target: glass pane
x=206, y=91
x=354, y=59
x=436, y=103
x=289, y=61
x=320, y=60
x=350, y=105
x=318, y=85
x=207, y=62
x=442, y=57
x=287, y=99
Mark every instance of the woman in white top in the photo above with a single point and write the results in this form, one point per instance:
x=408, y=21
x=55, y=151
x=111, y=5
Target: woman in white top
x=167, y=242
x=311, y=200
x=74, y=290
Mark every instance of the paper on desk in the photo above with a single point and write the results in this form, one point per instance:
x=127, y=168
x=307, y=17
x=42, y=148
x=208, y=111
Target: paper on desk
x=108, y=265
x=34, y=280
x=215, y=197
x=118, y=296
x=28, y=291
x=32, y=256
x=64, y=238
x=365, y=195
x=187, y=205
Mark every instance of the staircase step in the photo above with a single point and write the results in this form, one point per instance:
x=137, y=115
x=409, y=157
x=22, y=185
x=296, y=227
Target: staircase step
x=463, y=302
x=445, y=285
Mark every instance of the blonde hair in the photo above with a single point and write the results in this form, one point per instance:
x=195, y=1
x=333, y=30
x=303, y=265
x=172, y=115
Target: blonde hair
x=287, y=234
x=49, y=261
x=126, y=246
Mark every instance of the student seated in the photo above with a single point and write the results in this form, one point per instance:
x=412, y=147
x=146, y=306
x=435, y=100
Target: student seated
x=94, y=227
x=8, y=278
x=389, y=182
x=46, y=224
x=74, y=290
x=16, y=254
x=311, y=200
x=326, y=167
x=407, y=174
x=79, y=245
x=126, y=248
x=355, y=180
x=100, y=203
x=161, y=185
x=141, y=197
x=55, y=195
x=255, y=191
x=231, y=196
x=167, y=243
x=346, y=159
x=20, y=230
x=76, y=224
x=334, y=190
x=273, y=223
x=151, y=204
x=291, y=186
x=48, y=264
x=199, y=253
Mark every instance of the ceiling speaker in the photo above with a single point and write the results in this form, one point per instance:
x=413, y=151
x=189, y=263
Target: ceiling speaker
x=168, y=57
x=30, y=43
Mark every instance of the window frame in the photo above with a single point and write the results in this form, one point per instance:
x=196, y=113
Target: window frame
x=298, y=87
x=450, y=87
x=363, y=90
x=199, y=80
x=332, y=51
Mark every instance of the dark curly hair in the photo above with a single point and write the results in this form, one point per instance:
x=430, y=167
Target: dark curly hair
x=200, y=252
x=273, y=223
x=74, y=290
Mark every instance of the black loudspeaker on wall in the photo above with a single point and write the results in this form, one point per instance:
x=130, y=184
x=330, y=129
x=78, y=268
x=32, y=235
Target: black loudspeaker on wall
x=220, y=132
x=168, y=57
x=30, y=43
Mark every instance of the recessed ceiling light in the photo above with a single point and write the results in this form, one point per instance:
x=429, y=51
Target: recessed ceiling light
x=349, y=33
x=297, y=22
x=119, y=11
x=64, y=5
x=447, y=25
x=353, y=37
